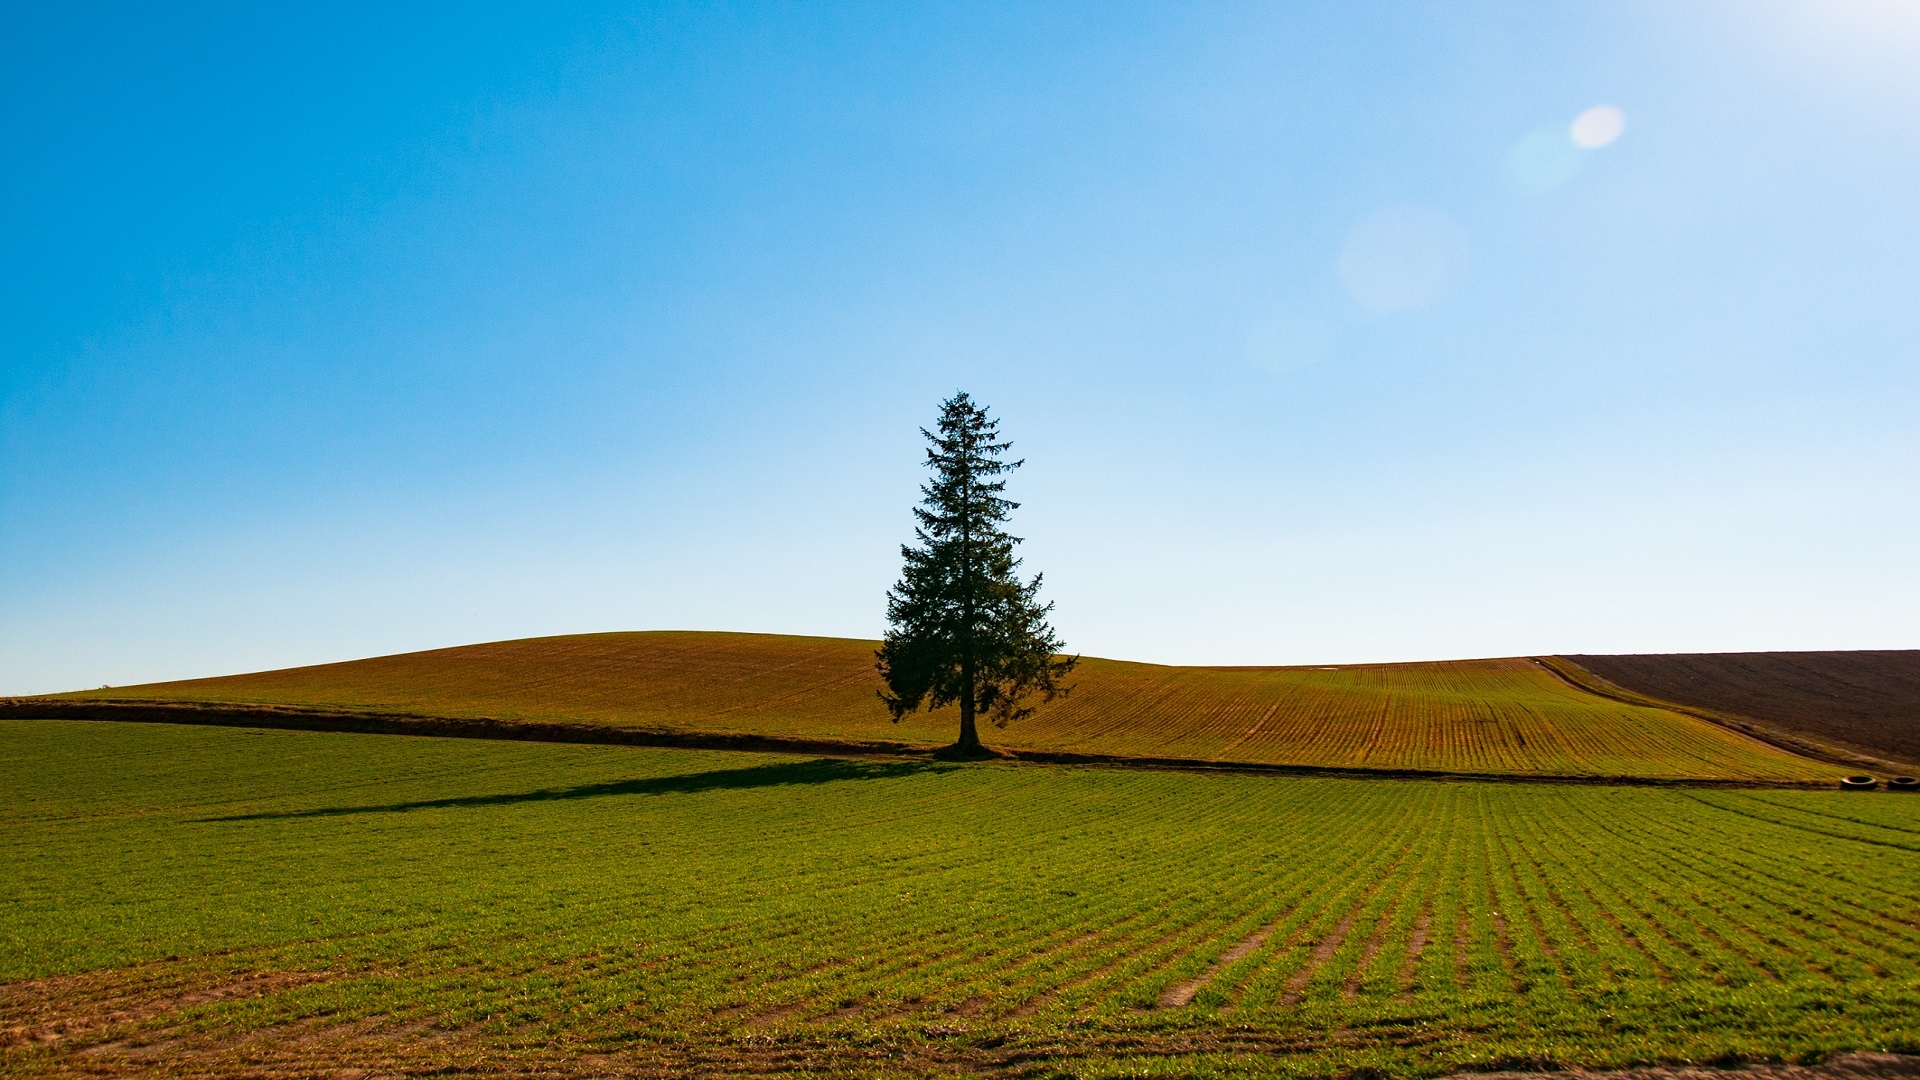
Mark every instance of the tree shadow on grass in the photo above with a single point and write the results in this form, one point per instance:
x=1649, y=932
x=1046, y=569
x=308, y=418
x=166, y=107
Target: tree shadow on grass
x=814, y=771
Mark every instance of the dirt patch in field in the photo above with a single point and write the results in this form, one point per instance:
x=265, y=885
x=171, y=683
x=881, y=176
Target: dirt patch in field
x=356, y=1051
x=1416, y=945
x=1322, y=952
x=79, y=1008
x=1132, y=946
x=1863, y=700
x=1368, y=953
x=1183, y=992
x=374, y=1049
x=384, y=1048
x=1844, y=1067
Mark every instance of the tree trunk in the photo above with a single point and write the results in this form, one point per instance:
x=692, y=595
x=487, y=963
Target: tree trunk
x=969, y=738
x=969, y=741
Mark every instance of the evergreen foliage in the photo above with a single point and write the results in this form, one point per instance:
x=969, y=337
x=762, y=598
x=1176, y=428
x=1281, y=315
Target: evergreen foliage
x=965, y=629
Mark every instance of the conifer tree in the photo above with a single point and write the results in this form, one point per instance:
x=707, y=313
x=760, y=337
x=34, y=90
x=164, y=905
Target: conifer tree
x=964, y=629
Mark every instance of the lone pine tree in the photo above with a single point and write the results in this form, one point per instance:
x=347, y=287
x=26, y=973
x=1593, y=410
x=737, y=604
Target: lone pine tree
x=963, y=627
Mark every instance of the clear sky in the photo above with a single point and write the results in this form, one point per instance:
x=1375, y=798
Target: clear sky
x=1330, y=332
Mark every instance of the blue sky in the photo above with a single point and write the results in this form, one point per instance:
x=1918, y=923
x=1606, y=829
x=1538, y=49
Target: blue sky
x=331, y=332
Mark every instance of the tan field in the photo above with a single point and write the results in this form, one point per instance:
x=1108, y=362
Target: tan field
x=1506, y=716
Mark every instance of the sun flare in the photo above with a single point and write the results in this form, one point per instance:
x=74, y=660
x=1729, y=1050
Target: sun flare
x=1597, y=127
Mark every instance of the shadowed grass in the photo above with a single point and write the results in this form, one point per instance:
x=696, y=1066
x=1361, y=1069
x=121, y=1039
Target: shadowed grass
x=817, y=771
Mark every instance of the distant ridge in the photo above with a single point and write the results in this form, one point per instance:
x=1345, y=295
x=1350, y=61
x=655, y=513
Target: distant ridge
x=1501, y=717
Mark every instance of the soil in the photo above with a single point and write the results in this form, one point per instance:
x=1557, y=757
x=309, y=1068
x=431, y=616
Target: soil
x=1183, y=993
x=1842, y=1067
x=1865, y=700
x=132, y=1023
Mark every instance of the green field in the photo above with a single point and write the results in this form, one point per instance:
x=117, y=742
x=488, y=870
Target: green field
x=219, y=901
x=1510, y=716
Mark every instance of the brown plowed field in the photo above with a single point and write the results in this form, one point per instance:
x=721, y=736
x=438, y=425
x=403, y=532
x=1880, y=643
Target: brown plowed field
x=1866, y=700
x=1507, y=716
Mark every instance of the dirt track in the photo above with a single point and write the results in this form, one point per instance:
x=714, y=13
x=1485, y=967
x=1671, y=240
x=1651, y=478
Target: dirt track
x=1863, y=700
x=1843, y=1067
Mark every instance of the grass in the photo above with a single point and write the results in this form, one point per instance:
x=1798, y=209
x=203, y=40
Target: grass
x=1508, y=716
x=218, y=901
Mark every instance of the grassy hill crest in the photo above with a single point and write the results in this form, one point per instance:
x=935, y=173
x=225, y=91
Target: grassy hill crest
x=1510, y=716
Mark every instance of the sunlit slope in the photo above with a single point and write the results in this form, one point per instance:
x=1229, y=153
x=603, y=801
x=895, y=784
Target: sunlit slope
x=1505, y=716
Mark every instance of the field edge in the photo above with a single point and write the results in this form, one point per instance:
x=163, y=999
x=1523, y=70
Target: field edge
x=303, y=718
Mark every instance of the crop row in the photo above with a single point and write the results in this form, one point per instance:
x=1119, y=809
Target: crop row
x=609, y=898
x=1483, y=716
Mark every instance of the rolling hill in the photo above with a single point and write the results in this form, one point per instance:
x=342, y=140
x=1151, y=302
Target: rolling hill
x=1506, y=716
